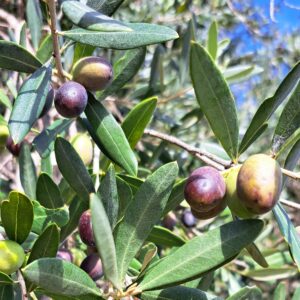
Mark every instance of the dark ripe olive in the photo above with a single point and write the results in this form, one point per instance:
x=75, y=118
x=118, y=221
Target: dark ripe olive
x=188, y=219
x=169, y=221
x=71, y=99
x=65, y=254
x=85, y=229
x=93, y=266
x=205, y=189
x=204, y=215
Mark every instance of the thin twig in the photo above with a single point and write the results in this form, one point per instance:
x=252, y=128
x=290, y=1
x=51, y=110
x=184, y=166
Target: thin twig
x=52, y=12
x=22, y=285
x=291, y=174
x=290, y=203
x=205, y=156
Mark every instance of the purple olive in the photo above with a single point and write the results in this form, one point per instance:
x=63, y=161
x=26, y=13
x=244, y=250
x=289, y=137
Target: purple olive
x=205, y=189
x=13, y=148
x=65, y=254
x=71, y=99
x=188, y=219
x=85, y=229
x=93, y=266
x=169, y=221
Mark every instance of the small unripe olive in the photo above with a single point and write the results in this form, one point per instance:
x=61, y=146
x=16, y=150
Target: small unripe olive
x=84, y=147
x=85, y=229
x=205, y=189
x=94, y=73
x=65, y=254
x=70, y=99
x=4, y=133
x=93, y=266
x=259, y=183
x=13, y=148
x=169, y=221
x=48, y=102
x=11, y=256
x=78, y=256
x=233, y=201
x=188, y=219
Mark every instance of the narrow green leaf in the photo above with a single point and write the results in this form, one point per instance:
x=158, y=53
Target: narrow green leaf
x=138, y=118
x=125, y=196
x=22, y=40
x=156, y=81
x=82, y=50
x=178, y=293
x=73, y=169
x=241, y=72
x=34, y=20
x=104, y=240
x=27, y=171
x=142, y=214
x=29, y=103
x=288, y=231
x=256, y=255
x=17, y=58
x=142, y=34
x=48, y=193
x=109, y=195
x=6, y=292
x=17, y=216
x=5, y=100
x=269, y=106
x=44, y=216
x=110, y=135
x=247, y=293
x=125, y=69
x=86, y=17
x=292, y=158
x=176, y=197
x=45, y=50
x=5, y=280
x=44, y=142
x=215, y=99
x=164, y=237
x=288, y=122
x=46, y=245
x=107, y=7
x=60, y=277
x=292, y=140
x=270, y=274
x=212, y=40
x=296, y=295
x=202, y=254
x=280, y=292
x=77, y=207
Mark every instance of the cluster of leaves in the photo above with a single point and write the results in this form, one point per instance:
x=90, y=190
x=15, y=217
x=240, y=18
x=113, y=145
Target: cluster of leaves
x=130, y=200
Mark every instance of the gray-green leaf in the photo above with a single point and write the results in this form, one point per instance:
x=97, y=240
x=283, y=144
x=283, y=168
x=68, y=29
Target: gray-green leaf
x=48, y=193
x=142, y=214
x=17, y=58
x=60, y=277
x=110, y=136
x=73, y=169
x=215, y=99
x=142, y=34
x=202, y=254
x=29, y=103
x=17, y=216
x=104, y=240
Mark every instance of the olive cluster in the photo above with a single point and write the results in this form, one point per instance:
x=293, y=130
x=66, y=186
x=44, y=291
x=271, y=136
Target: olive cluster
x=89, y=73
x=250, y=189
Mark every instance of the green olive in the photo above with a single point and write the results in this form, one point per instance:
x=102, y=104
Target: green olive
x=84, y=147
x=11, y=256
x=4, y=133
